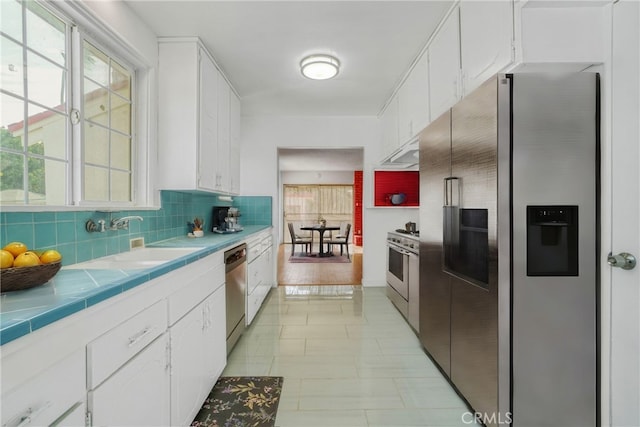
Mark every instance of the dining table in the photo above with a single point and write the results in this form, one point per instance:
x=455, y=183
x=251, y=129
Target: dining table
x=321, y=229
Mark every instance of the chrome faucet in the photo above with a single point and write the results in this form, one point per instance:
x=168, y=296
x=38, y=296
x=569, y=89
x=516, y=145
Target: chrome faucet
x=116, y=224
x=123, y=223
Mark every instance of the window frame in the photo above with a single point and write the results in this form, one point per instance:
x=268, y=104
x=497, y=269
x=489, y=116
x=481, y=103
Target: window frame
x=81, y=20
x=79, y=144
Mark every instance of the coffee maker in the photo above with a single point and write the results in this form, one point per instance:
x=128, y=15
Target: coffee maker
x=225, y=219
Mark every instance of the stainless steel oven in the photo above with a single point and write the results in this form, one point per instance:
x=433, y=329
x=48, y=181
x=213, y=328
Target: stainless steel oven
x=403, y=269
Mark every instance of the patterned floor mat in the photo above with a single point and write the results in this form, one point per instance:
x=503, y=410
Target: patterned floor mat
x=241, y=402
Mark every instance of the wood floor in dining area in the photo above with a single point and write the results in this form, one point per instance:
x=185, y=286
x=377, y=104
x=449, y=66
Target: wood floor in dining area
x=319, y=273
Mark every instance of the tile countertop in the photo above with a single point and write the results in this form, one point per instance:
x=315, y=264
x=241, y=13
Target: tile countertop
x=22, y=312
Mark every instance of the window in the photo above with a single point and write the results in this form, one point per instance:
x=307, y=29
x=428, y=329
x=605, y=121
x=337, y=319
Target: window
x=50, y=139
x=307, y=204
x=107, y=127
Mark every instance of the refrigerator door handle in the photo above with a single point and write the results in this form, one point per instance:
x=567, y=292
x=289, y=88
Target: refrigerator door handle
x=451, y=190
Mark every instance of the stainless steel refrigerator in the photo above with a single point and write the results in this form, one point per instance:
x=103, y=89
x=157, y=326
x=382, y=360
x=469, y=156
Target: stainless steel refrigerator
x=508, y=248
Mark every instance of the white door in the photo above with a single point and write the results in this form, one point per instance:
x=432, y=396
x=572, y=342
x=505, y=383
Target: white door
x=208, y=122
x=187, y=366
x=625, y=214
x=444, y=67
x=214, y=337
x=484, y=49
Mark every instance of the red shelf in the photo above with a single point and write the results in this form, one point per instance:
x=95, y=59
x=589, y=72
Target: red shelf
x=387, y=183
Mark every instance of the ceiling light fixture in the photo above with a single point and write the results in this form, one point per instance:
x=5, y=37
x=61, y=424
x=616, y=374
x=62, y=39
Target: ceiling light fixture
x=319, y=67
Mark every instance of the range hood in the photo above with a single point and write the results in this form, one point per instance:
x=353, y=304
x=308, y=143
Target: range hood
x=404, y=157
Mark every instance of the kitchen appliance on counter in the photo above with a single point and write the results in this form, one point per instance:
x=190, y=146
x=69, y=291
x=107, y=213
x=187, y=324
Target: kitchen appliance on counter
x=226, y=219
x=235, y=261
x=508, y=249
x=403, y=273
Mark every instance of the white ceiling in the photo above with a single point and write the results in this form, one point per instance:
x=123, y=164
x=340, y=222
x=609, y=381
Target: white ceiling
x=259, y=45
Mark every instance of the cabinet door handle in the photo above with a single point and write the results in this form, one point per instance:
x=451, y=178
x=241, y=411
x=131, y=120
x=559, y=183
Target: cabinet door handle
x=31, y=414
x=205, y=317
x=135, y=339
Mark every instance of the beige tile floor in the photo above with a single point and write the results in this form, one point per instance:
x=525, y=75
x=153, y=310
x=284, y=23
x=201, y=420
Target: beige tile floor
x=348, y=358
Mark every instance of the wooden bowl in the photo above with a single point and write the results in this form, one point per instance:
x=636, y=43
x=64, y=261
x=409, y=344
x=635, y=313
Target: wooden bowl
x=19, y=278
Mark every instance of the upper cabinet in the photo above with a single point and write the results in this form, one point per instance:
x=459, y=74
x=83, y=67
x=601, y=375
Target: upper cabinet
x=223, y=167
x=198, y=114
x=486, y=40
x=444, y=66
x=389, y=124
x=473, y=42
x=207, y=159
x=413, y=102
x=564, y=37
x=234, y=144
x=408, y=111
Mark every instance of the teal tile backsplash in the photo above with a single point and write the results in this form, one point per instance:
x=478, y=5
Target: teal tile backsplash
x=65, y=231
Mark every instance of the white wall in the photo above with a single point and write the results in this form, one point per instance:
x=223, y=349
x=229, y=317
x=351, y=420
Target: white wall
x=263, y=135
x=317, y=177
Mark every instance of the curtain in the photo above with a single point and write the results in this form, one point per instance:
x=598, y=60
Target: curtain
x=308, y=204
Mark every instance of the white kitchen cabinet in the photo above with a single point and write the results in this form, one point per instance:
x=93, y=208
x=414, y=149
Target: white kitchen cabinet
x=486, y=40
x=194, y=119
x=137, y=394
x=197, y=320
x=75, y=417
x=567, y=37
x=215, y=335
x=42, y=401
x=208, y=173
x=198, y=355
x=234, y=145
x=259, y=273
x=413, y=102
x=110, y=351
x=114, y=359
x=389, y=127
x=444, y=66
x=222, y=157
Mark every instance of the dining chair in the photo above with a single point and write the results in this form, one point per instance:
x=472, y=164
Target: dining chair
x=342, y=240
x=298, y=240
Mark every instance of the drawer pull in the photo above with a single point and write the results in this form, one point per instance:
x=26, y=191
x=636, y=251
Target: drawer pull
x=135, y=339
x=31, y=414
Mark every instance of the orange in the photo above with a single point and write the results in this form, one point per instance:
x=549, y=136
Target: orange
x=26, y=259
x=6, y=259
x=16, y=248
x=49, y=256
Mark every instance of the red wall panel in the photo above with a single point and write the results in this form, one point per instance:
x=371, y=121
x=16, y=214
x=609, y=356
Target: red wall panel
x=387, y=183
x=357, y=208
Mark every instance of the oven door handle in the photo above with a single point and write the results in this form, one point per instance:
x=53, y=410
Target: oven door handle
x=399, y=249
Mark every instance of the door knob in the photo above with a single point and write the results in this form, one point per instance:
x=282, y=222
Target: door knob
x=623, y=260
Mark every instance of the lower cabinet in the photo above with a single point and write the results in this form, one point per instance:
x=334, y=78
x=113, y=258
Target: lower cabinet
x=147, y=358
x=215, y=336
x=74, y=417
x=198, y=356
x=42, y=401
x=260, y=277
x=137, y=394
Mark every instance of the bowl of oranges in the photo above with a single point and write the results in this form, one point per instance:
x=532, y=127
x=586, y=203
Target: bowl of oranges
x=21, y=268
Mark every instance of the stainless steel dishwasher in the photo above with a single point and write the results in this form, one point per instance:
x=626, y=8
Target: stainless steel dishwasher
x=235, y=261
